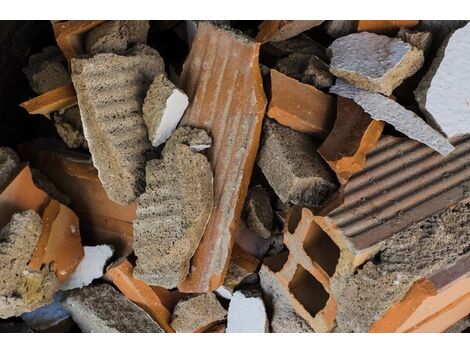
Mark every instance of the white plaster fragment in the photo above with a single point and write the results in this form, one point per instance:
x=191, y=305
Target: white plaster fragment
x=247, y=314
x=385, y=109
x=224, y=292
x=448, y=97
x=91, y=267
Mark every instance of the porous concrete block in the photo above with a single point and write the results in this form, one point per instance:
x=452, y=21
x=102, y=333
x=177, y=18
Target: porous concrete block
x=173, y=212
x=247, y=313
x=163, y=108
x=116, y=36
x=373, y=62
x=443, y=92
x=69, y=126
x=23, y=289
x=110, y=90
x=258, y=211
x=385, y=109
x=196, y=314
x=9, y=162
x=290, y=163
x=102, y=309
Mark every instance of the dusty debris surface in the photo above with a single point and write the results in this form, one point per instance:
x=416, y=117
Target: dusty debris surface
x=274, y=176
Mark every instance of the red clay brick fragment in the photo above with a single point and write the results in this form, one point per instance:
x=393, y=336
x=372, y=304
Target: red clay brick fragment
x=384, y=26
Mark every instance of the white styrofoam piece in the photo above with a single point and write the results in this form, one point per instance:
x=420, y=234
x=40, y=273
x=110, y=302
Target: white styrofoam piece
x=246, y=314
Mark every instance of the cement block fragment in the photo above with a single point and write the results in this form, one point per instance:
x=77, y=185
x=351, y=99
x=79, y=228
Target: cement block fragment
x=22, y=289
x=197, y=313
x=163, y=108
x=385, y=109
x=69, y=126
x=116, y=36
x=420, y=40
x=110, y=90
x=174, y=210
x=47, y=70
x=373, y=62
x=102, y=309
x=9, y=162
x=443, y=92
x=247, y=313
x=292, y=167
x=258, y=211
x=339, y=28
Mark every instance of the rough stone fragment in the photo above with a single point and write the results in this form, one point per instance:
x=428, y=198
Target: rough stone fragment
x=385, y=109
x=283, y=317
x=70, y=129
x=340, y=28
x=198, y=313
x=300, y=106
x=376, y=63
x=247, y=313
x=116, y=36
x=91, y=267
x=353, y=135
x=384, y=26
x=110, y=90
x=9, y=162
x=233, y=118
x=46, y=70
x=163, y=108
x=443, y=92
x=258, y=211
x=420, y=40
x=102, y=309
x=22, y=289
x=174, y=210
x=292, y=167
x=285, y=29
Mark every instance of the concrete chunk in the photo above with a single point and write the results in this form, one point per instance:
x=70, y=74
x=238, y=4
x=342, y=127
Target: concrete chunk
x=70, y=129
x=443, y=92
x=198, y=313
x=9, y=162
x=110, y=91
x=420, y=40
x=173, y=211
x=163, y=108
x=102, y=309
x=22, y=289
x=374, y=62
x=292, y=167
x=339, y=28
x=247, y=313
x=258, y=211
x=385, y=109
x=116, y=36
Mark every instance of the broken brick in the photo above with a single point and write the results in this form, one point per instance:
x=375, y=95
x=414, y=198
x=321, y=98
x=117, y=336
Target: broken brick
x=93, y=308
x=163, y=108
x=178, y=202
x=385, y=109
x=197, y=314
x=115, y=132
x=292, y=167
x=374, y=62
x=258, y=211
x=300, y=106
x=281, y=30
x=233, y=118
x=384, y=26
x=353, y=135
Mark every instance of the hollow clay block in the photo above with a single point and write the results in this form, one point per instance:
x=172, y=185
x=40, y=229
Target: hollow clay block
x=110, y=91
x=102, y=309
x=373, y=62
x=385, y=109
x=163, y=108
x=22, y=289
x=173, y=212
x=293, y=168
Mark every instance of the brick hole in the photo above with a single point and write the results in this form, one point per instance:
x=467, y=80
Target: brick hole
x=321, y=249
x=276, y=262
x=293, y=219
x=308, y=291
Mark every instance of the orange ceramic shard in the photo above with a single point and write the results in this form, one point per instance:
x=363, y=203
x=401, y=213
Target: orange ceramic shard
x=60, y=243
x=282, y=30
x=69, y=35
x=140, y=293
x=300, y=106
x=55, y=100
x=353, y=135
x=222, y=79
x=384, y=26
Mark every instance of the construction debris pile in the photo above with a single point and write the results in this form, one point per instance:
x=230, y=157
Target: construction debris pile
x=241, y=176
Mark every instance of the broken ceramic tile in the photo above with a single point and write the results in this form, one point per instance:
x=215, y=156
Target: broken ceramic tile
x=163, y=108
x=177, y=201
x=385, y=109
x=90, y=268
x=247, y=313
x=376, y=63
